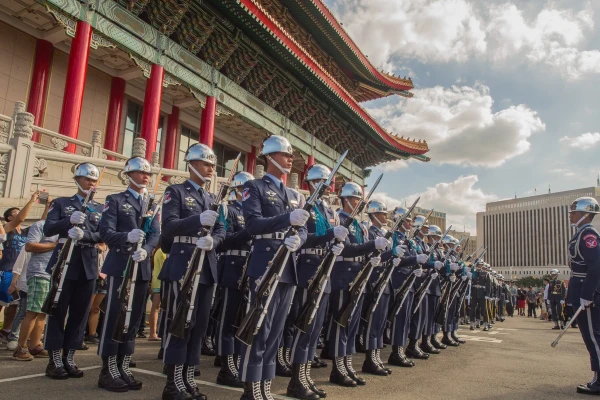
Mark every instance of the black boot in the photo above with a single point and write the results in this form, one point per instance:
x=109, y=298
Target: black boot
x=311, y=384
x=175, y=388
x=381, y=364
x=161, y=353
x=325, y=352
x=252, y=391
x=217, y=362
x=413, y=351
x=126, y=374
x=436, y=343
x=228, y=375
x=265, y=388
x=281, y=368
x=447, y=340
x=360, y=343
x=455, y=337
x=371, y=364
x=339, y=375
x=318, y=363
x=427, y=347
x=110, y=377
x=287, y=354
x=298, y=386
x=70, y=366
x=399, y=359
x=208, y=348
x=190, y=383
x=321, y=342
x=55, y=368
x=352, y=373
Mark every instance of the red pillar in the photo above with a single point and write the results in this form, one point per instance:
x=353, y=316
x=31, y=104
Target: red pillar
x=171, y=139
x=309, y=163
x=251, y=160
x=151, y=114
x=75, y=84
x=113, y=118
x=39, y=82
x=207, y=124
x=284, y=179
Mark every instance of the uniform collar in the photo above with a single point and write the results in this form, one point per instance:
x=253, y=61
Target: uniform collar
x=238, y=203
x=276, y=181
x=194, y=184
x=135, y=194
x=78, y=196
x=583, y=227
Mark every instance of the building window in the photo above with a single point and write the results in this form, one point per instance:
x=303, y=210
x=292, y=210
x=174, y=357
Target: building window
x=133, y=126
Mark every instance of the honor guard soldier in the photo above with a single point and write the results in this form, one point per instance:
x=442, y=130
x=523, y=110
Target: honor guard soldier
x=234, y=251
x=186, y=210
x=478, y=280
x=556, y=296
x=120, y=230
x=67, y=219
x=503, y=297
x=270, y=209
x=452, y=277
x=584, y=254
x=322, y=227
x=341, y=342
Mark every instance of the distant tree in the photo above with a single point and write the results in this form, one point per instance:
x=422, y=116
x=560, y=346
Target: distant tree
x=529, y=281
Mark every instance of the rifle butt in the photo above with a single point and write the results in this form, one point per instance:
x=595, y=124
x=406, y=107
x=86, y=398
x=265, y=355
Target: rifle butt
x=245, y=332
x=118, y=333
x=178, y=323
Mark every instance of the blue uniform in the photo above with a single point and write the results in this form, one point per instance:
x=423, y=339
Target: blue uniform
x=182, y=206
x=122, y=213
x=556, y=296
x=433, y=299
x=584, y=254
x=80, y=280
x=419, y=320
x=267, y=205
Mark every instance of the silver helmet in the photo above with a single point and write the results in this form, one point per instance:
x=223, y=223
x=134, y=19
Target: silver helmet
x=585, y=204
x=376, y=206
x=434, y=230
x=554, y=272
x=418, y=221
x=317, y=172
x=138, y=164
x=232, y=196
x=240, y=178
x=494, y=273
x=200, y=152
x=456, y=241
x=400, y=212
x=351, y=189
x=500, y=277
x=276, y=144
x=87, y=170
x=446, y=239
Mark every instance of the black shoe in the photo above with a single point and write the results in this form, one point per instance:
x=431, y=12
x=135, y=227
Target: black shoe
x=456, y=338
x=321, y=342
x=339, y=375
x=54, y=372
x=478, y=325
x=589, y=389
x=110, y=377
x=228, y=375
x=281, y=368
x=352, y=373
x=399, y=359
x=217, y=362
x=132, y=364
x=325, y=352
x=141, y=335
x=427, y=347
x=208, y=349
x=447, y=340
x=161, y=353
x=318, y=363
x=311, y=384
x=371, y=364
x=126, y=375
x=190, y=384
x=196, y=371
x=175, y=389
x=555, y=327
x=380, y=362
x=485, y=329
x=298, y=386
x=72, y=369
x=83, y=346
x=433, y=339
x=413, y=351
x=251, y=391
x=91, y=339
x=472, y=328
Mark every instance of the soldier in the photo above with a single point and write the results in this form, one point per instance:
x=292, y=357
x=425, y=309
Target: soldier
x=234, y=251
x=556, y=294
x=186, y=211
x=119, y=229
x=323, y=227
x=342, y=339
x=67, y=219
x=270, y=210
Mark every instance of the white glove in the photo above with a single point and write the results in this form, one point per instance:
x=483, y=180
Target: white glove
x=469, y=274
x=434, y=275
x=76, y=233
x=400, y=250
x=208, y=218
x=293, y=242
x=381, y=243
x=418, y=272
x=205, y=243
x=340, y=232
x=3, y=238
x=77, y=218
x=337, y=248
x=135, y=236
x=453, y=266
x=298, y=217
x=452, y=278
x=548, y=302
x=396, y=262
x=438, y=265
x=464, y=278
x=585, y=303
x=562, y=302
x=375, y=261
x=139, y=255
x=422, y=258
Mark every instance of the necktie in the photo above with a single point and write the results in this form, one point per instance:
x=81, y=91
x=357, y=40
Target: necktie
x=281, y=187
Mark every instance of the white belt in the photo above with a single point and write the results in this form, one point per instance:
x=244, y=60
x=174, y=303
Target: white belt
x=579, y=274
x=62, y=240
x=351, y=259
x=318, y=252
x=276, y=235
x=242, y=253
x=478, y=286
x=185, y=239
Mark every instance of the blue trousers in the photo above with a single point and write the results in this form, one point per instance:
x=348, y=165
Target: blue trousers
x=21, y=311
x=342, y=340
x=402, y=323
x=107, y=346
x=589, y=326
x=375, y=324
x=227, y=344
x=433, y=302
x=304, y=345
x=258, y=360
x=75, y=299
x=187, y=350
x=418, y=322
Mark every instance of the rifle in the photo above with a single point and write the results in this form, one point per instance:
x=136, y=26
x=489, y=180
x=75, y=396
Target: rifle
x=267, y=284
x=61, y=267
x=182, y=319
x=127, y=289
x=244, y=286
x=318, y=282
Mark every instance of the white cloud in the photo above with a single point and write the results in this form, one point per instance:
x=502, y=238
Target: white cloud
x=564, y=172
x=459, y=199
x=460, y=125
x=584, y=142
x=456, y=30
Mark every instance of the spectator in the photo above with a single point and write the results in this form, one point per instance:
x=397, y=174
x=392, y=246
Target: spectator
x=521, y=296
x=101, y=287
x=38, y=286
x=19, y=285
x=15, y=240
x=158, y=261
x=531, y=302
x=513, y=294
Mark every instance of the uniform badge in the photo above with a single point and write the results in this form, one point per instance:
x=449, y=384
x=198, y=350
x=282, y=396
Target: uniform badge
x=190, y=202
x=127, y=208
x=294, y=203
x=270, y=193
x=591, y=241
x=69, y=210
x=105, y=207
x=95, y=216
x=167, y=197
x=246, y=194
x=313, y=214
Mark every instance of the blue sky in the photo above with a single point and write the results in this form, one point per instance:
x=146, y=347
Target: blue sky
x=506, y=94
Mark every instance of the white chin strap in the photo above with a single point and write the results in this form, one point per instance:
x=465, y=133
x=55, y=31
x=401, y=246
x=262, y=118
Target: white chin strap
x=350, y=205
x=576, y=225
x=80, y=188
x=275, y=163
x=137, y=185
x=203, y=179
x=377, y=219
